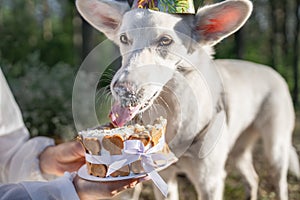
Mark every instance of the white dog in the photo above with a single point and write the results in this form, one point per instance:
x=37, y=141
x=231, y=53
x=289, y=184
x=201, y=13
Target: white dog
x=213, y=107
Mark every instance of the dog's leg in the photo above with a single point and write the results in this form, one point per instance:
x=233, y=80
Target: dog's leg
x=242, y=157
x=137, y=191
x=207, y=173
x=278, y=159
x=277, y=154
x=245, y=166
x=275, y=123
x=169, y=175
x=207, y=178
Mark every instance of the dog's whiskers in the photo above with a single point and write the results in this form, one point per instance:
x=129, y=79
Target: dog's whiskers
x=153, y=109
x=103, y=95
x=164, y=102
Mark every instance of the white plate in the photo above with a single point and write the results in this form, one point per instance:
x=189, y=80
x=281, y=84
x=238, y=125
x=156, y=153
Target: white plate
x=82, y=172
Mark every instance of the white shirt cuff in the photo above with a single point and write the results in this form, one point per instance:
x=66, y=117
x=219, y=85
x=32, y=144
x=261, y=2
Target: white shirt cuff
x=61, y=188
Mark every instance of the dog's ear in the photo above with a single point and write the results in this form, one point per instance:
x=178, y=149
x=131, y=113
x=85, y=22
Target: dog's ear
x=215, y=22
x=104, y=15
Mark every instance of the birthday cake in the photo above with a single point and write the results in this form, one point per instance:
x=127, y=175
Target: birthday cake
x=105, y=146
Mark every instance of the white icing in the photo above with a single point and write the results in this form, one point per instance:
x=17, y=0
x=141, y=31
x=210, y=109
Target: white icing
x=125, y=132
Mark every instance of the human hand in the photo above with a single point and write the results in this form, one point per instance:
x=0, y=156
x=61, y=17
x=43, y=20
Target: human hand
x=88, y=190
x=57, y=159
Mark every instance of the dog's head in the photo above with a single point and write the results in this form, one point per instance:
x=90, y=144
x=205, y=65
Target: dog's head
x=153, y=45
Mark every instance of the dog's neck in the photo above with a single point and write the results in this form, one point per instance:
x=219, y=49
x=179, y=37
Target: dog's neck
x=189, y=94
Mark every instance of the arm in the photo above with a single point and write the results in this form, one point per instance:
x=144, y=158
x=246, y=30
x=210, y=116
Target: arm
x=65, y=188
x=13, y=191
x=61, y=188
x=19, y=155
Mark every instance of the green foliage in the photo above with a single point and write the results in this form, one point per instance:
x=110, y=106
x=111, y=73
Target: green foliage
x=28, y=26
x=44, y=95
x=41, y=81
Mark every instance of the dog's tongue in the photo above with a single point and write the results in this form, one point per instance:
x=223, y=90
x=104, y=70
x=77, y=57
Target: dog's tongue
x=119, y=115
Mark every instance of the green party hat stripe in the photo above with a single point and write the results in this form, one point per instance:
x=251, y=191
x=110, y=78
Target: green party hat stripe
x=168, y=6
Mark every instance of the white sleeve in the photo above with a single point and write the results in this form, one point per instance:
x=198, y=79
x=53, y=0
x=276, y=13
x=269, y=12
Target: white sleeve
x=14, y=191
x=59, y=189
x=18, y=154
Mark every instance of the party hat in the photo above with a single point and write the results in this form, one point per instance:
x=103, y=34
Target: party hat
x=168, y=6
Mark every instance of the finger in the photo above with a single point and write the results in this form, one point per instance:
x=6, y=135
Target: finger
x=62, y=167
x=133, y=184
x=76, y=148
x=71, y=151
x=123, y=184
x=130, y=185
x=74, y=166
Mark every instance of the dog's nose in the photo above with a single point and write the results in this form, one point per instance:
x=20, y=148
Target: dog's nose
x=126, y=93
x=123, y=88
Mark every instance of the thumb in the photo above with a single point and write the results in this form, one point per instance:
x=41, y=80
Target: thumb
x=79, y=149
x=72, y=149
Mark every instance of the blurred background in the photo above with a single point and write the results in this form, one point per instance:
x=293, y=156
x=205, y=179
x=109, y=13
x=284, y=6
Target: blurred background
x=42, y=44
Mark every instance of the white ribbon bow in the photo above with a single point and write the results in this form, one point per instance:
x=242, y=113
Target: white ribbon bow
x=133, y=151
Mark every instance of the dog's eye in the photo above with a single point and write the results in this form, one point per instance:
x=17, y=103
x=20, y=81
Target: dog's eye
x=124, y=39
x=180, y=69
x=165, y=41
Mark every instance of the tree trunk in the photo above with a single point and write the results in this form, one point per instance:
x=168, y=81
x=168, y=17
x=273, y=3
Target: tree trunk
x=273, y=31
x=285, y=43
x=87, y=38
x=239, y=44
x=296, y=53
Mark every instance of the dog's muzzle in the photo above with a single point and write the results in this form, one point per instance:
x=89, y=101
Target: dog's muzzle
x=127, y=103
